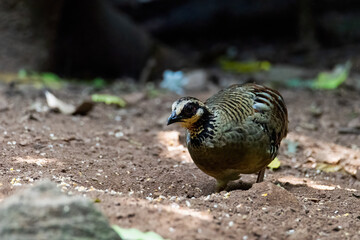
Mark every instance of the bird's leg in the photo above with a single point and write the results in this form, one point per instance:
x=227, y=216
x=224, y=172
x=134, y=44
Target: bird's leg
x=260, y=177
x=221, y=185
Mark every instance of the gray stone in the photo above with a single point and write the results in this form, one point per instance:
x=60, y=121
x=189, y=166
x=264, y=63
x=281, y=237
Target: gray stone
x=43, y=212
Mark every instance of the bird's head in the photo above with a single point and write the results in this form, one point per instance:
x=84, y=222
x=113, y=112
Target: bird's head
x=187, y=111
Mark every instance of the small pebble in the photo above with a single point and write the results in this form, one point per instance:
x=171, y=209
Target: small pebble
x=174, y=205
x=291, y=231
x=66, y=208
x=119, y=134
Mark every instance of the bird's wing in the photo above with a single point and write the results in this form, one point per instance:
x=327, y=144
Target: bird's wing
x=270, y=109
x=247, y=111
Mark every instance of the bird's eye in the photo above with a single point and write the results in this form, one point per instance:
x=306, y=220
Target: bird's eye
x=190, y=109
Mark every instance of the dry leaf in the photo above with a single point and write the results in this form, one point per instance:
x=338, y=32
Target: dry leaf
x=56, y=104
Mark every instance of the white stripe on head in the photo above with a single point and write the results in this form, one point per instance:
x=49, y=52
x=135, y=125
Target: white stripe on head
x=178, y=106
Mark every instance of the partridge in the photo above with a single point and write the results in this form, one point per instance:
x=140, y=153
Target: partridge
x=236, y=131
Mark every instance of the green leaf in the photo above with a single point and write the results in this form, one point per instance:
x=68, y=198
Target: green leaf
x=135, y=234
x=244, y=67
x=331, y=80
x=50, y=80
x=108, y=99
x=49, y=77
x=22, y=74
x=275, y=164
x=99, y=82
x=39, y=80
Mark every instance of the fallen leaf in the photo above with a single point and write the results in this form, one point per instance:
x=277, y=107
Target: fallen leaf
x=324, y=80
x=244, y=67
x=84, y=108
x=39, y=80
x=56, y=104
x=108, y=99
x=329, y=167
x=275, y=164
x=331, y=80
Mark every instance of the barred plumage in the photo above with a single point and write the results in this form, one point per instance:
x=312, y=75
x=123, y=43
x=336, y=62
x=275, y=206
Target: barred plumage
x=238, y=130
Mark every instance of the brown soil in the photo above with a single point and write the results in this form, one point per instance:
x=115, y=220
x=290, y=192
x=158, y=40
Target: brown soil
x=141, y=175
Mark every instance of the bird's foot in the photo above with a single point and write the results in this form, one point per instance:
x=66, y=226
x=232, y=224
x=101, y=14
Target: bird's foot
x=261, y=174
x=221, y=185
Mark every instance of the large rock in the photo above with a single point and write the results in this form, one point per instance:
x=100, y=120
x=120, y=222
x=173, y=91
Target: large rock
x=43, y=212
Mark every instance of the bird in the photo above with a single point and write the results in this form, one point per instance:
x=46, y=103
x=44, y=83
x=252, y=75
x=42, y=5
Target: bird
x=236, y=131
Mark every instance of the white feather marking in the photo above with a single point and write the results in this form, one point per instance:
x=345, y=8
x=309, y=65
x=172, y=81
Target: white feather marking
x=267, y=101
x=178, y=106
x=261, y=107
x=264, y=95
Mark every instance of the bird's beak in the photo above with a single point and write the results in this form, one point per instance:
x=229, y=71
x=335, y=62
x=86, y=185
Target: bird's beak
x=173, y=118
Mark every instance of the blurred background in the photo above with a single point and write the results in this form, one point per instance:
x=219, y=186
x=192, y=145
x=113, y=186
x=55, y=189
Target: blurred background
x=86, y=88
x=140, y=39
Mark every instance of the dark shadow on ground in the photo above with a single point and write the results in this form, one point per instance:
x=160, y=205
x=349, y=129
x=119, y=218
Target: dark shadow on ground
x=240, y=185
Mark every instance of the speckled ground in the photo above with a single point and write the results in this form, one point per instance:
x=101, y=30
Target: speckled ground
x=141, y=175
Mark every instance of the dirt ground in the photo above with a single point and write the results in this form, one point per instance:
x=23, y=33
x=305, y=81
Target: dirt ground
x=140, y=175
